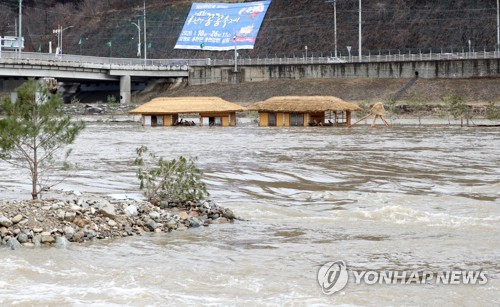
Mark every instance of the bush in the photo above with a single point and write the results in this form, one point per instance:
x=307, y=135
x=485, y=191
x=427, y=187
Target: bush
x=177, y=180
x=492, y=111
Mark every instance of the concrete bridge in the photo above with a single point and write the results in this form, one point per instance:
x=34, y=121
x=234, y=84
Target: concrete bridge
x=73, y=68
x=70, y=68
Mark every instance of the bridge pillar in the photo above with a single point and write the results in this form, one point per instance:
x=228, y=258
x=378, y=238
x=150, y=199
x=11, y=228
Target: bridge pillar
x=125, y=89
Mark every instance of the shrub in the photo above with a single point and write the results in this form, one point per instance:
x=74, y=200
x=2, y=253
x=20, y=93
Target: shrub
x=177, y=180
x=492, y=110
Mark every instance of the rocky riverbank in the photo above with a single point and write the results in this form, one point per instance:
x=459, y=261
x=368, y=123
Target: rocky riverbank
x=89, y=217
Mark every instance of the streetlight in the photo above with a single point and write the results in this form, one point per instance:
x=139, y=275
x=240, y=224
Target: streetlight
x=235, y=55
x=334, y=22
x=305, y=47
x=360, y=30
x=59, y=32
x=145, y=37
x=469, y=47
x=139, y=40
x=349, y=50
x=498, y=25
x=20, y=26
x=62, y=37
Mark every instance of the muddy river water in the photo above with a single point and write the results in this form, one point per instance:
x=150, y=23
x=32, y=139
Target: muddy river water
x=408, y=198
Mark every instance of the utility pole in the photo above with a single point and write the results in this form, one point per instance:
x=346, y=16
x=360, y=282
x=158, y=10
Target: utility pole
x=498, y=25
x=20, y=26
x=145, y=37
x=138, y=25
x=334, y=22
x=360, y=30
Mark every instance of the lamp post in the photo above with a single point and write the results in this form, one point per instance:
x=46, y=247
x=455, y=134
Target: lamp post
x=305, y=47
x=334, y=23
x=139, y=40
x=61, y=34
x=235, y=55
x=498, y=25
x=145, y=37
x=20, y=26
x=469, y=47
x=360, y=30
x=349, y=51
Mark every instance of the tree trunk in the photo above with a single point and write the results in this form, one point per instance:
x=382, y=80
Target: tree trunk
x=34, y=193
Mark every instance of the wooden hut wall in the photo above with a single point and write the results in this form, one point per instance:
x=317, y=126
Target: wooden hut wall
x=227, y=119
x=264, y=119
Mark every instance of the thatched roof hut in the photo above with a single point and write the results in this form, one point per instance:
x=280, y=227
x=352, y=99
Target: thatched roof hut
x=177, y=105
x=304, y=111
x=303, y=104
x=164, y=111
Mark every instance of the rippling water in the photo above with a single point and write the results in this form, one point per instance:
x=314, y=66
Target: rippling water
x=406, y=198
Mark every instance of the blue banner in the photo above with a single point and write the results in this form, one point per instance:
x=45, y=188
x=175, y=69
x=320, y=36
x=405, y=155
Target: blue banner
x=222, y=26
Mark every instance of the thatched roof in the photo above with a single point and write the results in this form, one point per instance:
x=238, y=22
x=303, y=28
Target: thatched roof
x=303, y=104
x=176, y=105
x=378, y=109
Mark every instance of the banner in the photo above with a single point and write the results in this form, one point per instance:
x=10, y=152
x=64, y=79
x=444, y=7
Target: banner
x=222, y=26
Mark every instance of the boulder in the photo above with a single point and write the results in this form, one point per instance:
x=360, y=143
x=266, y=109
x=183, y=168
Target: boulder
x=107, y=209
x=16, y=219
x=5, y=221
x=131, y=211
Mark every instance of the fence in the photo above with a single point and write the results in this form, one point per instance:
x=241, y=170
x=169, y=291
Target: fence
x=153, y=64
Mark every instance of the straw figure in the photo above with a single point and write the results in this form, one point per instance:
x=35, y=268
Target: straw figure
x=377, y=111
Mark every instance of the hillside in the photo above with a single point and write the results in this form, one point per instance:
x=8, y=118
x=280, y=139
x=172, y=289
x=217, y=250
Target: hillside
x=287, y=28
x=474, y=91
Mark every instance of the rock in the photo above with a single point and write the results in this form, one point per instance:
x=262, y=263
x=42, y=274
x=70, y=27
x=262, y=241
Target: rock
x=78, y=236
x=5, y=221
x=131, y=211
x=61, y=241
x=171, y=224
x=151, y=225
x=183, y=215
x=69, y=232
x=154, y=215
x=70, y=216
x=195, y=222
x=157, y=230
x=61, y=214
x=13, y=243
x=47, y=239
x=28, y=244
x=112, y=223
x=3, y=231
x=75, y=208
x=22, y=238
x=107, y=209
x=46, y=208
x=227, y=213
x=37, y=230
x=16, y=219
x=37, y=240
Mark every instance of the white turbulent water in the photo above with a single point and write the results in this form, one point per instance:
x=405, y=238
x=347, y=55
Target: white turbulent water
x=406, y=198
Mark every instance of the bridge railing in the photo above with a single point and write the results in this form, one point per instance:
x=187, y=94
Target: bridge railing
x=153, y=64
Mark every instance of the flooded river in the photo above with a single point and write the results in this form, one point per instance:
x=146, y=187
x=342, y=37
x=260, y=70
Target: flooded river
x=408, y=198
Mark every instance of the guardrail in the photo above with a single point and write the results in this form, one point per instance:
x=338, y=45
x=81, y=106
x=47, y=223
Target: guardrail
x=182, y=64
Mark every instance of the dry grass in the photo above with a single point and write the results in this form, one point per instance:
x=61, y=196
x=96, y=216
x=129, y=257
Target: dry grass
x=362, y=90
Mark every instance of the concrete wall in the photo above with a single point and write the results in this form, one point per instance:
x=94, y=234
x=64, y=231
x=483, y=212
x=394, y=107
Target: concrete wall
x=473, y=68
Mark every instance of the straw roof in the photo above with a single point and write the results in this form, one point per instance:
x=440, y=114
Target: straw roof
x=176, y=105
x=303, y=104
x=378, y=109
